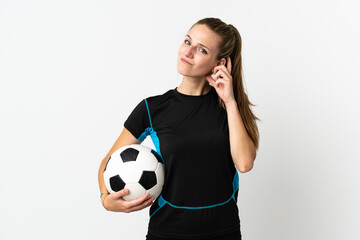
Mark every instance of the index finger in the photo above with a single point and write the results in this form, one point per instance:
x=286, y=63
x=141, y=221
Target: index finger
x=229, y=64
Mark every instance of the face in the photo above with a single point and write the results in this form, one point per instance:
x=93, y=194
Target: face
x=199, y=48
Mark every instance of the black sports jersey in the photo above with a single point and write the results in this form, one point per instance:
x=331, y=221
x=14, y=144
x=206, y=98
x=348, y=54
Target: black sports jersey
x=199, y=196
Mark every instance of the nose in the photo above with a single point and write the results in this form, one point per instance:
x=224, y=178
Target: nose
x=189, y=52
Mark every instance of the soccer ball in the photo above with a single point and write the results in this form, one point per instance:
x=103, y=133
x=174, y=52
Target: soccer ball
x=137, y=168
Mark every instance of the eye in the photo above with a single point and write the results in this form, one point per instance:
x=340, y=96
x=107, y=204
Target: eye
x=186, y=41
x=205, y=52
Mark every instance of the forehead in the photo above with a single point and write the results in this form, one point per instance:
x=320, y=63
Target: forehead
x=202, y=34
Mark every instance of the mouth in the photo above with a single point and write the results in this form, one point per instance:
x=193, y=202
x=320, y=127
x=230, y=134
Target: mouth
x=184, y=61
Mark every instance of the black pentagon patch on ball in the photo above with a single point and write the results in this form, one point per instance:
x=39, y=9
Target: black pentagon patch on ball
x=107, y=163
x=129, y=154
x=116, y=183
x=158, y=157
x=148, y=179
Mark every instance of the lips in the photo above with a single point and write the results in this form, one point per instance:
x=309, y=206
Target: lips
x=184, y=61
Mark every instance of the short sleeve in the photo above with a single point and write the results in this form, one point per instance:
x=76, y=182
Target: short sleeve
x=137, y=121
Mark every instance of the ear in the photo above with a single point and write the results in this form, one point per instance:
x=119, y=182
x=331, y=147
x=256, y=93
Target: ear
x=221, y=62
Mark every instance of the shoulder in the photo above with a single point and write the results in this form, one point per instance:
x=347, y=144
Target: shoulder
x=159, y=102
x=160, y=98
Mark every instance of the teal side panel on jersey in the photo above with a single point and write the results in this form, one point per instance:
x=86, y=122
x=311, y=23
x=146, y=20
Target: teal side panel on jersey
x=156, y=143
x=150, y=131
x=161, y=203
x=235, y=184
x=143, y=136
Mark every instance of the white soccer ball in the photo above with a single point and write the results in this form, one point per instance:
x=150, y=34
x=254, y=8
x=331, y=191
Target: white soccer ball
x=137, y=168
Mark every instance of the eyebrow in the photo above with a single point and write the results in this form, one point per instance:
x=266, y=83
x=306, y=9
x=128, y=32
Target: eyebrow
x=200, y=43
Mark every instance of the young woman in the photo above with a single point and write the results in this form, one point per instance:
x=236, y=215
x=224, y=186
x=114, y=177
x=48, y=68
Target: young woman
x=204, y=130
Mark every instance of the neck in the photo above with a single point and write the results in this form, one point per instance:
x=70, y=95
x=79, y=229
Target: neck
x=194, y=86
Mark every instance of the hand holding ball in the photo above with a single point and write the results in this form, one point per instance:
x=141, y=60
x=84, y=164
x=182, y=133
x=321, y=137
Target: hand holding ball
x=137, y=168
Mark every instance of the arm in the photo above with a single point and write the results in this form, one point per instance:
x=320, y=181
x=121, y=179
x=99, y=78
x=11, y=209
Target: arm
x=242, y=148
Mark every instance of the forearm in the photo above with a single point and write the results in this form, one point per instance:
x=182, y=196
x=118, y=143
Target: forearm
x=242, y=147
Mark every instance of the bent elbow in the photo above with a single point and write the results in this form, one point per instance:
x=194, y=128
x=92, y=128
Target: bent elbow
x=246, y=168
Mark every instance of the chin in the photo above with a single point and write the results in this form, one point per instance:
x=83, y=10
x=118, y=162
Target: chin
x=182, y=71
x=188, y=72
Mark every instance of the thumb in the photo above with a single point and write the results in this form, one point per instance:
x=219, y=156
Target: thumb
x=121, y=193
x=210, y=80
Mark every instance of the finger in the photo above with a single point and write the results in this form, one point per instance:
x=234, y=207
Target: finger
x=143, y=205
x=210, y=80
x=221, y=73
x=229, y=64
x=220, y=80
x=121, y=193
x=223, y=69
x=137, y=201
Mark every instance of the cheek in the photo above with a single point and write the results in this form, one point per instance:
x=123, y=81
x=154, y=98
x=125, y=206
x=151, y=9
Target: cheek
x=181, y=49
x=205, y=65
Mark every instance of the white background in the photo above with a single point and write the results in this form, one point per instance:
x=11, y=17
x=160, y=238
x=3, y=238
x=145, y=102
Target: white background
x=72, y=71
